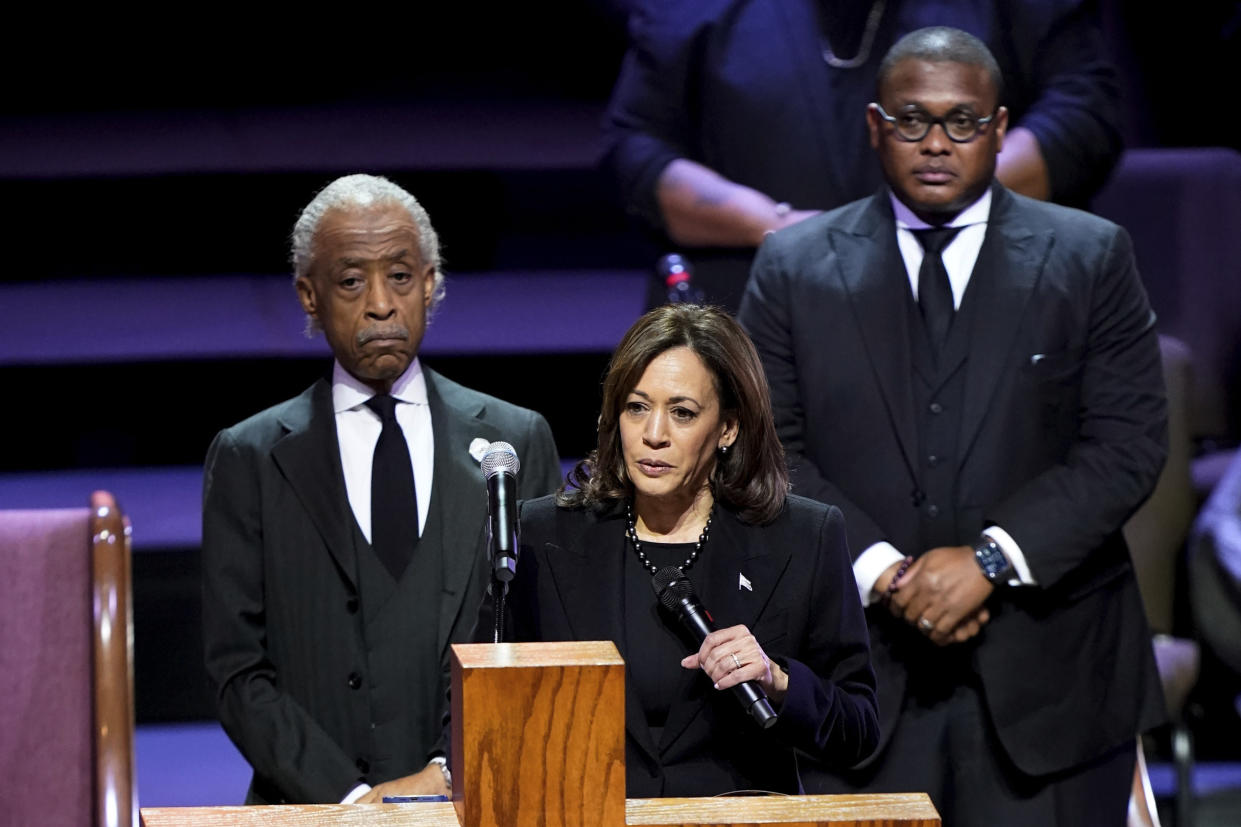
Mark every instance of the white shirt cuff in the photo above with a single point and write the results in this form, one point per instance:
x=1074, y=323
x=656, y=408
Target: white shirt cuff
x=1013, y=552
x=872, y=563
x=356, y=793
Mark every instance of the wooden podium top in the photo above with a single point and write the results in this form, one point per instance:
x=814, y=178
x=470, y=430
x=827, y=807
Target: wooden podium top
x=564, y=653
x=892, y=810
x=899, y=810
x=435, y=814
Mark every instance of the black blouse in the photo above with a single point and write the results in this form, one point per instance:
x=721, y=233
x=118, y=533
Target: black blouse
x=655, y=669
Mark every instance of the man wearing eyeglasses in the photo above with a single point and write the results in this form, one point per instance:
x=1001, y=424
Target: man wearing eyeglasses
x=974, y=378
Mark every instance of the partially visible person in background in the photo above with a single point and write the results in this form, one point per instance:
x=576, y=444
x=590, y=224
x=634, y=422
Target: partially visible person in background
x=733, y=118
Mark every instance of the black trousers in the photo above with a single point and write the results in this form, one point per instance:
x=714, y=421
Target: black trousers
x=945, y=745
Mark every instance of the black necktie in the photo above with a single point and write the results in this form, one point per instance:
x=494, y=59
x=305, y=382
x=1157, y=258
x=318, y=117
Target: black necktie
x=394, y=503
x=934, y=289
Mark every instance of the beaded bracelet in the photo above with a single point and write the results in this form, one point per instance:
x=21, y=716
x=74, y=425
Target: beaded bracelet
x=893, y=584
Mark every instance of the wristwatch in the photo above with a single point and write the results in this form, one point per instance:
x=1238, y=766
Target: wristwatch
x=990, y=558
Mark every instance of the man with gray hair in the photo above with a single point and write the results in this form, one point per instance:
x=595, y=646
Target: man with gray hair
x=344, y=543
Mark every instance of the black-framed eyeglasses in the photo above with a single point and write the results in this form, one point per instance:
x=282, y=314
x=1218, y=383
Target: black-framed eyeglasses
x=959, y=125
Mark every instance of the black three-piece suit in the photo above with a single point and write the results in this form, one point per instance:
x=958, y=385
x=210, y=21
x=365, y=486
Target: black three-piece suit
x=308, y=641
x=1044, y=415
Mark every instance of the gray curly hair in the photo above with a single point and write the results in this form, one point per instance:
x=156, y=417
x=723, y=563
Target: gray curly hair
x=364, y=191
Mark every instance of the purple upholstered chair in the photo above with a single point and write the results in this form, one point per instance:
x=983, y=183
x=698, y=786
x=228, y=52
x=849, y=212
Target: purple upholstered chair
x=66, y=676
x=1183, y=209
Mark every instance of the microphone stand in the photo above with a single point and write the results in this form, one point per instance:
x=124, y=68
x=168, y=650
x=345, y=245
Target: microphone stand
x=499, y=465
x=499, y=591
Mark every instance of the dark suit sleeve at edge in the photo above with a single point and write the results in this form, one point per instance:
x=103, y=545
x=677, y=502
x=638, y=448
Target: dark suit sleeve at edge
x=830, y=709
x=647, y=126
x=1076, y=115
x=281, y=741
x=764, y=315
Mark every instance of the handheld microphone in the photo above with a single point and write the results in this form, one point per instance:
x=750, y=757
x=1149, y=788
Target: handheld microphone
x=500, y=466
x=678, y=279
x=677, y=595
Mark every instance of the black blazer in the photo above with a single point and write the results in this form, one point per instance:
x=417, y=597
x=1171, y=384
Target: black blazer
x=281, y=624
x=803, y=610
x=1061, y=437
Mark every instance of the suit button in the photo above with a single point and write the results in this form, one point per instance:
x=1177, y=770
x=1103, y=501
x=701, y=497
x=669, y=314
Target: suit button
x=932, y=460
x=364, y=766
x=351, y=605
x=936, y=408
x=355, y=680
x=932, y=510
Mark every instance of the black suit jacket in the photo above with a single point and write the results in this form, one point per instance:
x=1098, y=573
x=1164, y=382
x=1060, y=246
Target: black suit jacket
x=1061, y=437
x=282, y=629
x=803, y=609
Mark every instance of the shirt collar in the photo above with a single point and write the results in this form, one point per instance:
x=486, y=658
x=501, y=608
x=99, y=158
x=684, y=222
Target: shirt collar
x=976, y=213
x=348, y=392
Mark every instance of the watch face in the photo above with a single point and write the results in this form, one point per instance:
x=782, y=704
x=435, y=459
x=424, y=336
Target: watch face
x=992, y=560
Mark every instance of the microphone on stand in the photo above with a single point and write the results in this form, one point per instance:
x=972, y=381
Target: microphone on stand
x=677, y=595
x=677, y=276
x=500, y=466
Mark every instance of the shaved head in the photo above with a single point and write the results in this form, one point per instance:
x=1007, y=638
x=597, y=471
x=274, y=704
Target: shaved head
x=939, y=44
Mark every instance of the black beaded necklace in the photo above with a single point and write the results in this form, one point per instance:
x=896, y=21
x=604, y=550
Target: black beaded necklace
x=631, y=531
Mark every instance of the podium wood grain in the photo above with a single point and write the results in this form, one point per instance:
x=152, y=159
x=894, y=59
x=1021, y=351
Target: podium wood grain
x=541, y=745
x=304, y=815
x=900, y=810
x=889, y=810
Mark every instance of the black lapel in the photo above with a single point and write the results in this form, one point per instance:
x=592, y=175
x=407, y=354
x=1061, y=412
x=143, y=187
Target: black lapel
x=588, y=573
x=870, y=266
x=1009, y=266
x=309, y=458
x=735, y=553
x=731, y=553
x=458, y=491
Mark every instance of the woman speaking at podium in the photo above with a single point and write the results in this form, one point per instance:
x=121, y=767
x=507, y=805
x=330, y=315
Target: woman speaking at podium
x=681, y=522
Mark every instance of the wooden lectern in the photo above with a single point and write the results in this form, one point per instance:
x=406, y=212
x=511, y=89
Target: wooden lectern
x=538, y=738
x=542, y=739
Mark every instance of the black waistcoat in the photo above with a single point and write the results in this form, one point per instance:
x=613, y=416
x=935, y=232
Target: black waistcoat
x=938, y=385
x=400, y=631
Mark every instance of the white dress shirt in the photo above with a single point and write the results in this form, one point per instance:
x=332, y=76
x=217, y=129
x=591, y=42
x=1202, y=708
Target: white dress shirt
x=357, y=432
x=959, y=258
x=358, y=428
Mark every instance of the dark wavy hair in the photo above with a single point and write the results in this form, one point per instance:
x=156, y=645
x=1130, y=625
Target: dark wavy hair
x=751, y=478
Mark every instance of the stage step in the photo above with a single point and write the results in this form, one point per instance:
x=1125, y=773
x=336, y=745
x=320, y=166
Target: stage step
x=243, y=316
